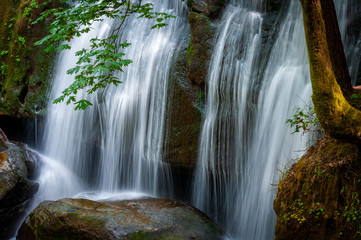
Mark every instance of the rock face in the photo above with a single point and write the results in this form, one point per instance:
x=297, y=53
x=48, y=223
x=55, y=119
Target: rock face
x=132, y=219
x=319, y=198
x=187, y=93
x=17, y=166
x=24, y=68
x=208, y=8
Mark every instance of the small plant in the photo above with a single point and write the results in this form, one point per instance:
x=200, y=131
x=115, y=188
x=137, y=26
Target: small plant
x=356, y=100
x=21, y=40
x=303, y=119
x=3, y=69
x=3, y=53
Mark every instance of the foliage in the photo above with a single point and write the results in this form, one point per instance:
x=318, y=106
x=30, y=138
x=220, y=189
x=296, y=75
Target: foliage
x=96, y=66
x=303, y=119
x=356, y=100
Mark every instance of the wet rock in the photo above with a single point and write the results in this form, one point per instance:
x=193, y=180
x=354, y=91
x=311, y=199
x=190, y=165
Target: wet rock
x=17, y=166
x=208, y=8
x=132, y=219
x=199, y=48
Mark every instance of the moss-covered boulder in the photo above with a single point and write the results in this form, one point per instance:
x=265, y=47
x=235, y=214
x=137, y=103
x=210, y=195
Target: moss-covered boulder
x=24, y=68
x=131, y=219
x=17, y=167
x=319, y=198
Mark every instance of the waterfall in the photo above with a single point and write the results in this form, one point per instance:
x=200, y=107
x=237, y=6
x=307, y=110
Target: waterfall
x=244, y=141
x=254, y=82
x=348, y=14
x=116, y=145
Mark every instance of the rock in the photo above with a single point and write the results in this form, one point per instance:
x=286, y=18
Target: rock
x=208, y=8
x=132, y=219
x=199, y=48
x=3, y=137
x=17, y=165
x=25, y=68
x=183, y=121
x=319, y=197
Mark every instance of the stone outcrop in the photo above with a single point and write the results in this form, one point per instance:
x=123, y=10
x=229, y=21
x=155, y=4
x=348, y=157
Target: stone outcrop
x=24, y=68
x=131, y=219
x=208, y=8
x=186, y=95
x=319, y=197
x=17, y=168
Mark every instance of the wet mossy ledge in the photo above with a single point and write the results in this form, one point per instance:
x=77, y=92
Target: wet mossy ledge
x=319, y=197
x=24, y=68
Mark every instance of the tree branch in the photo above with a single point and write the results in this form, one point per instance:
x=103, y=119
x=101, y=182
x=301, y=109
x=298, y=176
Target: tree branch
x=331, y=82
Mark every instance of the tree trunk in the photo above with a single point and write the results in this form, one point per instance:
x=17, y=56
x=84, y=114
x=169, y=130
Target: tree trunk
x=331, y=82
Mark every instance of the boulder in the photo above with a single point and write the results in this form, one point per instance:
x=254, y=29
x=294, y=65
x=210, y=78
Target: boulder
x=17, y=166
x=132, y=219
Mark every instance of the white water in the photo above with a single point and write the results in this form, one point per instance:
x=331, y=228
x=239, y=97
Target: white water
x=113, y=150
x=116, y=145
x=245, y=141
x=348, y=13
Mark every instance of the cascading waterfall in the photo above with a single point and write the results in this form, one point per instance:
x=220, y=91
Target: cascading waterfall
x=115, y=145
x=348, y=13
x=244, y=139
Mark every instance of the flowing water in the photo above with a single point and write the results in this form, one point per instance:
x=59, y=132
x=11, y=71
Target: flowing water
x=348, y=13
x=116, y=145
x=245, y=144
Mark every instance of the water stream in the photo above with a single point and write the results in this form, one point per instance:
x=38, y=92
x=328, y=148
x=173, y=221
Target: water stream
x=116, y=145
x=245, y=143
x=114, y=149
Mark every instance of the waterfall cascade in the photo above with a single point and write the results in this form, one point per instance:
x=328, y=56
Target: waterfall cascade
x=116, y=145
x=244, y=140
x=254, y=83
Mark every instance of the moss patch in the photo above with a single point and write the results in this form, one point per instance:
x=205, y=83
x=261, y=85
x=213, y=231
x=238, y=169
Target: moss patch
x=24, y=68
x=319, y=197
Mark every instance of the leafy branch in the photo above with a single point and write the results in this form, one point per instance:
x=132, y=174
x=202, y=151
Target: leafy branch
x=303, y=119
x=96, y=66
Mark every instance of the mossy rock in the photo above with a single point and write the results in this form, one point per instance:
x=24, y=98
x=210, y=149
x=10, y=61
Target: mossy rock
x=319, y=198
x=131, y=219
x=208, y=8
x=24, y=68
x=199, y=48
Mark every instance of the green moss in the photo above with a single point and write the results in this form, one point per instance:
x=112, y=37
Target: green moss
x=163, y=235
x=25, y=68
x=190, y=52
x=313, y=198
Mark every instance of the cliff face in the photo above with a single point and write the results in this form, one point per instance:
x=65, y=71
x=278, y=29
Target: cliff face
x=25, y=69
